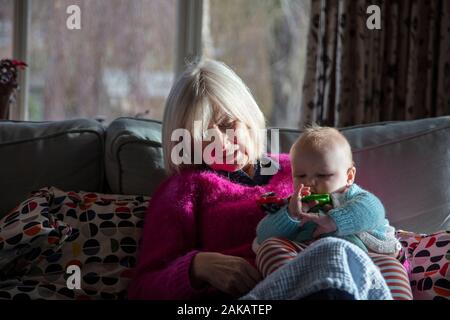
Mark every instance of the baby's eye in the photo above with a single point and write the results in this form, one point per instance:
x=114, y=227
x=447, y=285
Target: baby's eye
x=324, y=175
x=301, y=176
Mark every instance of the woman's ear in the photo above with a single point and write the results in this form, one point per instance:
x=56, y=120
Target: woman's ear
x=351, y=175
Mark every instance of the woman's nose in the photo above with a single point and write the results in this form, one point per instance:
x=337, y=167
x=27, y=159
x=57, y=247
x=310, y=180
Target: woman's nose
x=226, y=142
x=221, y=137
x=230, y=143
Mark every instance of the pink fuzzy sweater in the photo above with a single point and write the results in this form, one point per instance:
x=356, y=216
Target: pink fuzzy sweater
x=198, y=211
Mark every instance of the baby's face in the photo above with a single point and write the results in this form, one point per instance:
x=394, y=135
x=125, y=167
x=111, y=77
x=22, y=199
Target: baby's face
x=324, y=171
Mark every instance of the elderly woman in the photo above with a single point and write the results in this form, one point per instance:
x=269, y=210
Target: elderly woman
x=201, y=222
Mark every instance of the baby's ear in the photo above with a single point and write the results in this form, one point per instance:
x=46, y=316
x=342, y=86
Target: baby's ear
x=351, y=175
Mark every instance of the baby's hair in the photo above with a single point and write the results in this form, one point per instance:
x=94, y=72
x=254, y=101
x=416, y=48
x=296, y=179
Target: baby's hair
x=206, y=91
x=319, y=138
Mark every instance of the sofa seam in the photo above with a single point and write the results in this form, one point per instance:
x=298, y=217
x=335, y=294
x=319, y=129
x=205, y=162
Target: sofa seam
x=367, y=125
x=406, y=138
x=50, y=136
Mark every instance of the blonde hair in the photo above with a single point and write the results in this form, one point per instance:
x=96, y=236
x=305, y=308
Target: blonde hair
x=206, y=91
x=320, y=138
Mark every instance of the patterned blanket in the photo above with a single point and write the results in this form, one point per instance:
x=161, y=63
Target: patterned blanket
x=70, y=245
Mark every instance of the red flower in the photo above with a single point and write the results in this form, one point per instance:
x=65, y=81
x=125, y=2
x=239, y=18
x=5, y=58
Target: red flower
x=20, y=64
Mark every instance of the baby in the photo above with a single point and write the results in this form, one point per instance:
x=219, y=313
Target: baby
x=322, y=163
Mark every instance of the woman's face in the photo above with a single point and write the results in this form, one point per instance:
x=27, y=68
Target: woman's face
x=224, y=145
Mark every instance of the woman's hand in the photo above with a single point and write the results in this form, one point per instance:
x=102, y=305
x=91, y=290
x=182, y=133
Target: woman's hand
x=230, y=274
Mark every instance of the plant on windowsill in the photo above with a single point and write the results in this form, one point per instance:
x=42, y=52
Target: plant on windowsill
x=8, y=83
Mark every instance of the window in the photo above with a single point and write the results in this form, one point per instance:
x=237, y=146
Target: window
x=264, y=41
x=120, y=63
x=6, y=28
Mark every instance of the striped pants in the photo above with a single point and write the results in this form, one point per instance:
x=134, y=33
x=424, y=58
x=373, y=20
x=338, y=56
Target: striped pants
x=276, y=252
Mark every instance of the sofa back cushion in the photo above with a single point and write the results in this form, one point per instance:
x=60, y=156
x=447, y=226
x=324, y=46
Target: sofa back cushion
x=133, y=156
x=65, y=154
x=408, y=166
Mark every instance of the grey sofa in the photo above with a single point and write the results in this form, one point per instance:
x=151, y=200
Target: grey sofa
x=407, y=164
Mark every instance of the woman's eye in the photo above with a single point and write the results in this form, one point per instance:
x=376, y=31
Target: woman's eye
x=226, y=125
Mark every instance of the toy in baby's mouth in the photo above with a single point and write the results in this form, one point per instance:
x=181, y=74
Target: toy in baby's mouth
x=322, y=199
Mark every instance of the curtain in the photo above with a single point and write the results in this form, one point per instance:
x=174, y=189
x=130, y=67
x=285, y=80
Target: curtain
x=355, y=75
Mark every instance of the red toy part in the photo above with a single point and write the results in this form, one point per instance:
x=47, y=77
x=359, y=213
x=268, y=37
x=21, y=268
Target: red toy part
x=270, y=200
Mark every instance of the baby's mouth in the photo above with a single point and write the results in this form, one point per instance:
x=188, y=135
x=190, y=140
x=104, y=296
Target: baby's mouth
x=311, y=190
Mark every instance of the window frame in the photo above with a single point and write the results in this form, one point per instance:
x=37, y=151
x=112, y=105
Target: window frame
x=21, y=22
x=188, y=44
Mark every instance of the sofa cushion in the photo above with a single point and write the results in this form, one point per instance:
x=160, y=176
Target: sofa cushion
x=55, y=229
x=65, y=154
x=133, y=156
x=428, y=258
x=406, y=164
x=27, y=232
x=410, y=173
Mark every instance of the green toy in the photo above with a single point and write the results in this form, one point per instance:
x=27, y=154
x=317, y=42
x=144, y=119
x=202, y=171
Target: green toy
x=323, y=198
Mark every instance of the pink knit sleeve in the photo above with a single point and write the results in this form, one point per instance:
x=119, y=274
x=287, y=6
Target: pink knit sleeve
x=168, y=243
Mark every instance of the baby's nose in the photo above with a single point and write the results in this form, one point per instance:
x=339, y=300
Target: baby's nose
x=311, y=183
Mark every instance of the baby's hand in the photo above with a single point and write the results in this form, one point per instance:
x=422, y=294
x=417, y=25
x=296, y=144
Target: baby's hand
x=296, y=207
x=325, y=224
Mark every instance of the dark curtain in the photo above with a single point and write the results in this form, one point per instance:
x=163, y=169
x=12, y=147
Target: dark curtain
x=355, y=75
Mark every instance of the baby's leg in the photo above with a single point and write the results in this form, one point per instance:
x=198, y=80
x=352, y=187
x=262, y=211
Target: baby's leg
x=395, y=275
x=276, y=252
